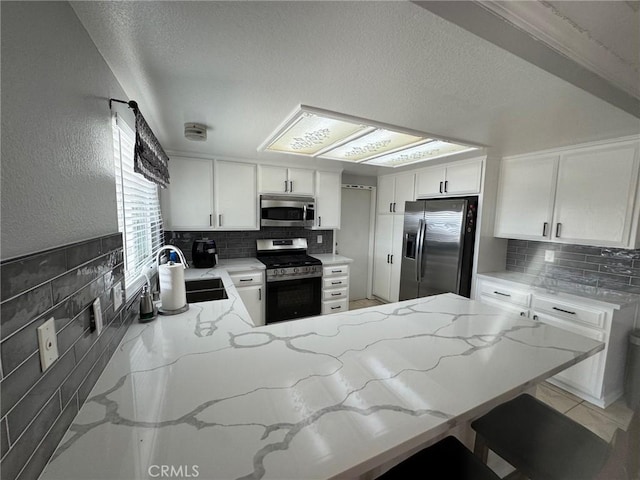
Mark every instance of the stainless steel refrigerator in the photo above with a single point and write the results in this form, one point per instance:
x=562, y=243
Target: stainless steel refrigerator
x=437, y=247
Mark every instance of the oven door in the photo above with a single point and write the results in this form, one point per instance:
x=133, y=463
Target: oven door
x=296, y=298
x=286, y=211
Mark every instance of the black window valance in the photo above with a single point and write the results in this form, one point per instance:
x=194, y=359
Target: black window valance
x=150, y=160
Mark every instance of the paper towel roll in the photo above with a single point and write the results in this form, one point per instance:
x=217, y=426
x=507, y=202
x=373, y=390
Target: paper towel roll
x=172, y=289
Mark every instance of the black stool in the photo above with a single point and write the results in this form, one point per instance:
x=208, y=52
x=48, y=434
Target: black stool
x=448, y=459
x=539, y=441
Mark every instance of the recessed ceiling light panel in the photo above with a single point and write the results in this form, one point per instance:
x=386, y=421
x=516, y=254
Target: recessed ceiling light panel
x=420, y=153
x=310, y=133
x=378, y=142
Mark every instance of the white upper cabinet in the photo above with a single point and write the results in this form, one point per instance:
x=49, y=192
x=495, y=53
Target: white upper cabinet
x=525, y=197
x=236, y=199
x=328, y=200
x=595, y=196
x=586, y=195
x=454, y=179
x=394, y=191
x=188, y=201
x=296, y=181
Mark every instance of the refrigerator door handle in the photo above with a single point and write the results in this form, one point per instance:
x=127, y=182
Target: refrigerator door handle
x=419, y=244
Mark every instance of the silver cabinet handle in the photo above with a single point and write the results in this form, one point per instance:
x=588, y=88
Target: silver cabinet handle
x=394, y=207
x=286, y=186
x=335, y=308
x=260, y=294
x=523, y=314
x=440, y=187
x=564, y=311
x=336, y=271
x=336, y=283
x=500, y=293
x=388, y=255
x=336, y=294
x=319, y=221
x=390, y=207
x=219, y=219
x=545, y=225
x=290, y=185
x=535, y=317
x=558, y=228
x=446, y=184
x=246, y=279
x=392, y=259
x=211, y=220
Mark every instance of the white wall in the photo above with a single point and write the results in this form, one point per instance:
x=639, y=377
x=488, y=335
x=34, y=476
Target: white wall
x=57, y=150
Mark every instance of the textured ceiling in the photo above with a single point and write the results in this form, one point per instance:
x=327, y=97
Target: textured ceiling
x=242, y=67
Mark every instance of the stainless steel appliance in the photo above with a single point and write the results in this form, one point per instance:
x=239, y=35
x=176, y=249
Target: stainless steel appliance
x=294, y=279
x=437, y=247
x=204, y=253
x=286, y=211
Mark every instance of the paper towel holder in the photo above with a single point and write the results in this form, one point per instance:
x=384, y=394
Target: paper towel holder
x=161, y=310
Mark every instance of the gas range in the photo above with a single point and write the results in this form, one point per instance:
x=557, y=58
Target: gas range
x=287, y=259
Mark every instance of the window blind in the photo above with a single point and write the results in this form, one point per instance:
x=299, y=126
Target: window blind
x=139, y=215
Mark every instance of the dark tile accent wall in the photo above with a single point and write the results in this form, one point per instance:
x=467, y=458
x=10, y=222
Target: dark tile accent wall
x=243, y=243
x=37, y=407
x=611, y=268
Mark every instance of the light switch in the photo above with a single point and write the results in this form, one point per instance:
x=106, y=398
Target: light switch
x=96, y=319
x=319, y=239
x=116, y=294
x=549, y=255
x=47, y=343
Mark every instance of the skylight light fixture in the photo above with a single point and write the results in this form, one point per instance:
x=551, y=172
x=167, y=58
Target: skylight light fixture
x=324, y=134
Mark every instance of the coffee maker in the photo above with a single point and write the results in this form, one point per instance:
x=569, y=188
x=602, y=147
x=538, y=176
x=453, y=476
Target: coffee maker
x=204, y=253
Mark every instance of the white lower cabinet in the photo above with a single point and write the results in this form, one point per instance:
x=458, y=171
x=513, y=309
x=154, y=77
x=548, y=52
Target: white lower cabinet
x=597, y=379
x=335, y=289
x=250, y=287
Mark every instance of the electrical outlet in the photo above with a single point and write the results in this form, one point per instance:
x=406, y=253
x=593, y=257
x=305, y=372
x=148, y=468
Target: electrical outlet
x=319, y=239
x=47, y=343
x=549, y=256
x=96, y=319
x=116, y=296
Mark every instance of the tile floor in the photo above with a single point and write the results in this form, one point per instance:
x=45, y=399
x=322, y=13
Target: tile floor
x=364, y=303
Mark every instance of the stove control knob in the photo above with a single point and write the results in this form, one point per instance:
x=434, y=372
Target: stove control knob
x=295, y=270
x=282, y=271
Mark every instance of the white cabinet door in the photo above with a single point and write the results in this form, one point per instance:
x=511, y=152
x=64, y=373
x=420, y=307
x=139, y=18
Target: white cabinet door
x=595, y=194
x=396, y=257
x=189, y=196
x=463, y=179
x=273, y=179
x=301, y=181
x=253, y=299
x=587, y=375
x=386, y=194
x=430, y=182
x=525, y=197
x=404, y=191
x=381, y=255
x=236, y=197
x=328, y=195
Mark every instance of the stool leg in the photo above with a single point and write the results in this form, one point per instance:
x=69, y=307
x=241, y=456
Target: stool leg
x=480, y=448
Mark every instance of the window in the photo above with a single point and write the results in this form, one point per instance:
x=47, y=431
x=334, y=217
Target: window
x=139, y=215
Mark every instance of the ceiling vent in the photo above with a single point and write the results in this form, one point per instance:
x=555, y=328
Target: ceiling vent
x=195, y=131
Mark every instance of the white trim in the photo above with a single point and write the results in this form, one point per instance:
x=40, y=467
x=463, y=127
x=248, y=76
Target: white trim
x=560, y=150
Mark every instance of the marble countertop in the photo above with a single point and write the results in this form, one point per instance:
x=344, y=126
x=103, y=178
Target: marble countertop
x=321, y=397
x=585, y=293
x=331, y=258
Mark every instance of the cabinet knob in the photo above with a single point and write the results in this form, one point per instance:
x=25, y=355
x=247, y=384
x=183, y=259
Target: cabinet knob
x=535, y=317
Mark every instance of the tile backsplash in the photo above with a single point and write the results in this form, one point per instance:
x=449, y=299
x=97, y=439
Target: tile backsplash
x=243, y=243
x=37, y=407
x=600, y=267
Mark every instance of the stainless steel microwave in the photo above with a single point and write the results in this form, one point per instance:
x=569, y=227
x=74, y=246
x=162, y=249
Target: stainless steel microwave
x=287, y=211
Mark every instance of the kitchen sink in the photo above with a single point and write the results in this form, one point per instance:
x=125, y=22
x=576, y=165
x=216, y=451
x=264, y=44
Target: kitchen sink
x=205, y=290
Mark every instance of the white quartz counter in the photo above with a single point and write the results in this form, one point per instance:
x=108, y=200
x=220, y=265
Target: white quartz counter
x=586, y=294
x=322, y=397
x=332, y=258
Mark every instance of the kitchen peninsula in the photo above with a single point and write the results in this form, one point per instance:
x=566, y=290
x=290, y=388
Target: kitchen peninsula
x=322, y=397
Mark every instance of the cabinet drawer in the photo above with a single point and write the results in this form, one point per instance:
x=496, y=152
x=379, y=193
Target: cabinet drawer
x=505, y=294
x=335, y=293
x=569, y=312
x=335, y=306
x=335, y=270
x=335, y=282
x=246, y=279
x=515, y=309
